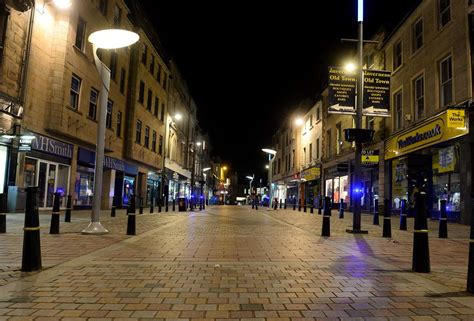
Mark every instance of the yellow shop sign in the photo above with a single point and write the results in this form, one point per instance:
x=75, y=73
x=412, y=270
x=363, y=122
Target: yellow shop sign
x=428, y=133
x=456, y=118
x=311, y=174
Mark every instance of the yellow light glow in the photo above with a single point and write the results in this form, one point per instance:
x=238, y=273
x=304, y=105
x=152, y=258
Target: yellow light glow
x=178, y=116
x=113, y=38
x=62, y=4
x=350, y=67
x=224, y=168
x=299, y=122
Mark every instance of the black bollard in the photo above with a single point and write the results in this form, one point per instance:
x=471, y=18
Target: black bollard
x=31, y=259
x=67, y=216
x=421, y=250
x=281, y=203
x=152, y=208
x=159, y=203
x=3, y=213
x=387, y=222
x=320, y=204
x=140, y=199
x=132, y=220
x=166, y=204
x=312, y=207
x=403, y=215
x=284, y=204
x=327, y=218
x=174, y=205
x=275, y=204
x=203, y=204
x=256, y=205
x=112, y=211
x=294, y=204
x=299, y=205
x=305, y=207
x=200, y=204
x=341, y=209
x=376, y=212
x=54, y=227
x=443, y=221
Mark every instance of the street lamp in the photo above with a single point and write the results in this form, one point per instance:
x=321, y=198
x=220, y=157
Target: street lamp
x=271, y=156
x=250, y=184
x=62, y=4
x=299, y=122
x=103, y=39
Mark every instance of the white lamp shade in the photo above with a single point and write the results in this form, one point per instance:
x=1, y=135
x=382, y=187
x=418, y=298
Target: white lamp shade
x=113, y=38
x=269, y=151
x=62, y=4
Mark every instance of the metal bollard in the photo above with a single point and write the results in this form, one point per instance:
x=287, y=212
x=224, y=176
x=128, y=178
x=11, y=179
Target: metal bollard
x=403, y=215
x=132, y=220
x=320, y=205
x=387, y=222
x=443, y=221
x=299, y=205
x=327, y=218
x=376, y=212
x=341, y=209
x=294, y=204
x=112, y=211
x=281, y=203
x=421, y=250
x=203, y=204
x=275, y=205
x=31, y=258
x=305, y=207
x=284, y=204
x=159, y=203
x=312, y=207
x=152, y=208
x=67, y=216
x=166, y=204
x=140, y=199
x=174, y=205
x=3, y=213
x=54, y=227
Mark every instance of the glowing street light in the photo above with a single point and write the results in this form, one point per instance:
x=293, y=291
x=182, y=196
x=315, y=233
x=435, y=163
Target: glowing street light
x=178, y=116
x=62, y=4
x=271, y=156
x=206, y=169
x=350, y=67
x=103, y=39
x=299, y=121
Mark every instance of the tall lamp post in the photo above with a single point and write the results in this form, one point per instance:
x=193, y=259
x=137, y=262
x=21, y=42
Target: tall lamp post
x=250, y=184
x=271, y=156
x=298, y=123
x=104, y=39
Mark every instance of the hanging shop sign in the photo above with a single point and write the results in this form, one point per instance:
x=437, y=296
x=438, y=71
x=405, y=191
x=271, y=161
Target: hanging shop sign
x=456, y=118
x=430, y=132
x=342, y=91
x=370, y=157
x=25, y=144
x=311, y=174
x=376, y=93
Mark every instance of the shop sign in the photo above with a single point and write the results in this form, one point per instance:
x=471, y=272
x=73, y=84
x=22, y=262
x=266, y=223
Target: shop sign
x=25, y=144
x=370, y=157
x=342, y=91
x=376, y=93
x=428, y=133
x=52, y=146
x=445, y=160
x=456, y=118
x=311, y=174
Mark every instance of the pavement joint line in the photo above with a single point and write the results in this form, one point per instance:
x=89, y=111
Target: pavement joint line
x=414, y=277
x=45, y=274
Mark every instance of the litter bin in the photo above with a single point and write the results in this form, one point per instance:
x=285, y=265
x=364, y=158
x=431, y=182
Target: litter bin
x=182, y=204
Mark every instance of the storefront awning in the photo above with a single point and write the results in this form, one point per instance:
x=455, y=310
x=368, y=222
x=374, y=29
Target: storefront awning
x=175, y=167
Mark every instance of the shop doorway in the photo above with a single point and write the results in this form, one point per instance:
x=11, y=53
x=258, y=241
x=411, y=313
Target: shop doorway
x=50, y=177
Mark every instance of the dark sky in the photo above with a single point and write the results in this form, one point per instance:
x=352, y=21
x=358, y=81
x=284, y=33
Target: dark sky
x=248, y=62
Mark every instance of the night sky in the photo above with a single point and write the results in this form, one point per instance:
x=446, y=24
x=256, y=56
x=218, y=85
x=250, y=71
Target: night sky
x=248, y=64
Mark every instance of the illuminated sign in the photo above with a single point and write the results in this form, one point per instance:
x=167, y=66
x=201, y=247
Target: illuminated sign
x=456, y=118
x=311, y=174
x=430, y=132
x=376, y=93
x=341, y=91
x=370, y=157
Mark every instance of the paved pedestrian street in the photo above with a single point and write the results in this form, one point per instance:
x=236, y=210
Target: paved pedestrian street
x=233, y=263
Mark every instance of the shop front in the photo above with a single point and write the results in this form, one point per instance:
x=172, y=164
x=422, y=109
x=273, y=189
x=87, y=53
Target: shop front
x=426, y=158
x=369, y=179
x=119, y=180
x=152, y=188
x=48, y=166
x=336, y=183
x=311, y=185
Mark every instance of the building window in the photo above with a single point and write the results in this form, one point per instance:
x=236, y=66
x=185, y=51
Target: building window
x=152, y=65
x=397, y=55
x=317, y=148
x=328, y=145
x=417, y=35
x=446, y=81
x=122, y=80
x=153, y=141
x=138, y=133
x=398, y=102
x=293, y=157
x=113, y=65
x=318, y=113
x=103, y=4
x=80, y=34
x=141, y=93
x=162, y=116
x=370, y=61
x=75, y=92
x=93, y=103
x=108, y=118
x=419, y=97
x=144, y=54
x=149, y=100
x=310, y=153
x=147, y=136
x=117, y=16
x=156, y=107
x=119, y=124
x=160, y=145
x=4, y=13
x=158, y=73
x=444, y=12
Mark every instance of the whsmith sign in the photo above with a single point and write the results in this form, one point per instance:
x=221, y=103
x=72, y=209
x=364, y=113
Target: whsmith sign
x=52, y=146
x=430, y=132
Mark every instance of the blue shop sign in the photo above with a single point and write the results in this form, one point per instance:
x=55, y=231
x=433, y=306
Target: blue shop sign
x=88, y=157
x=52, y=146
